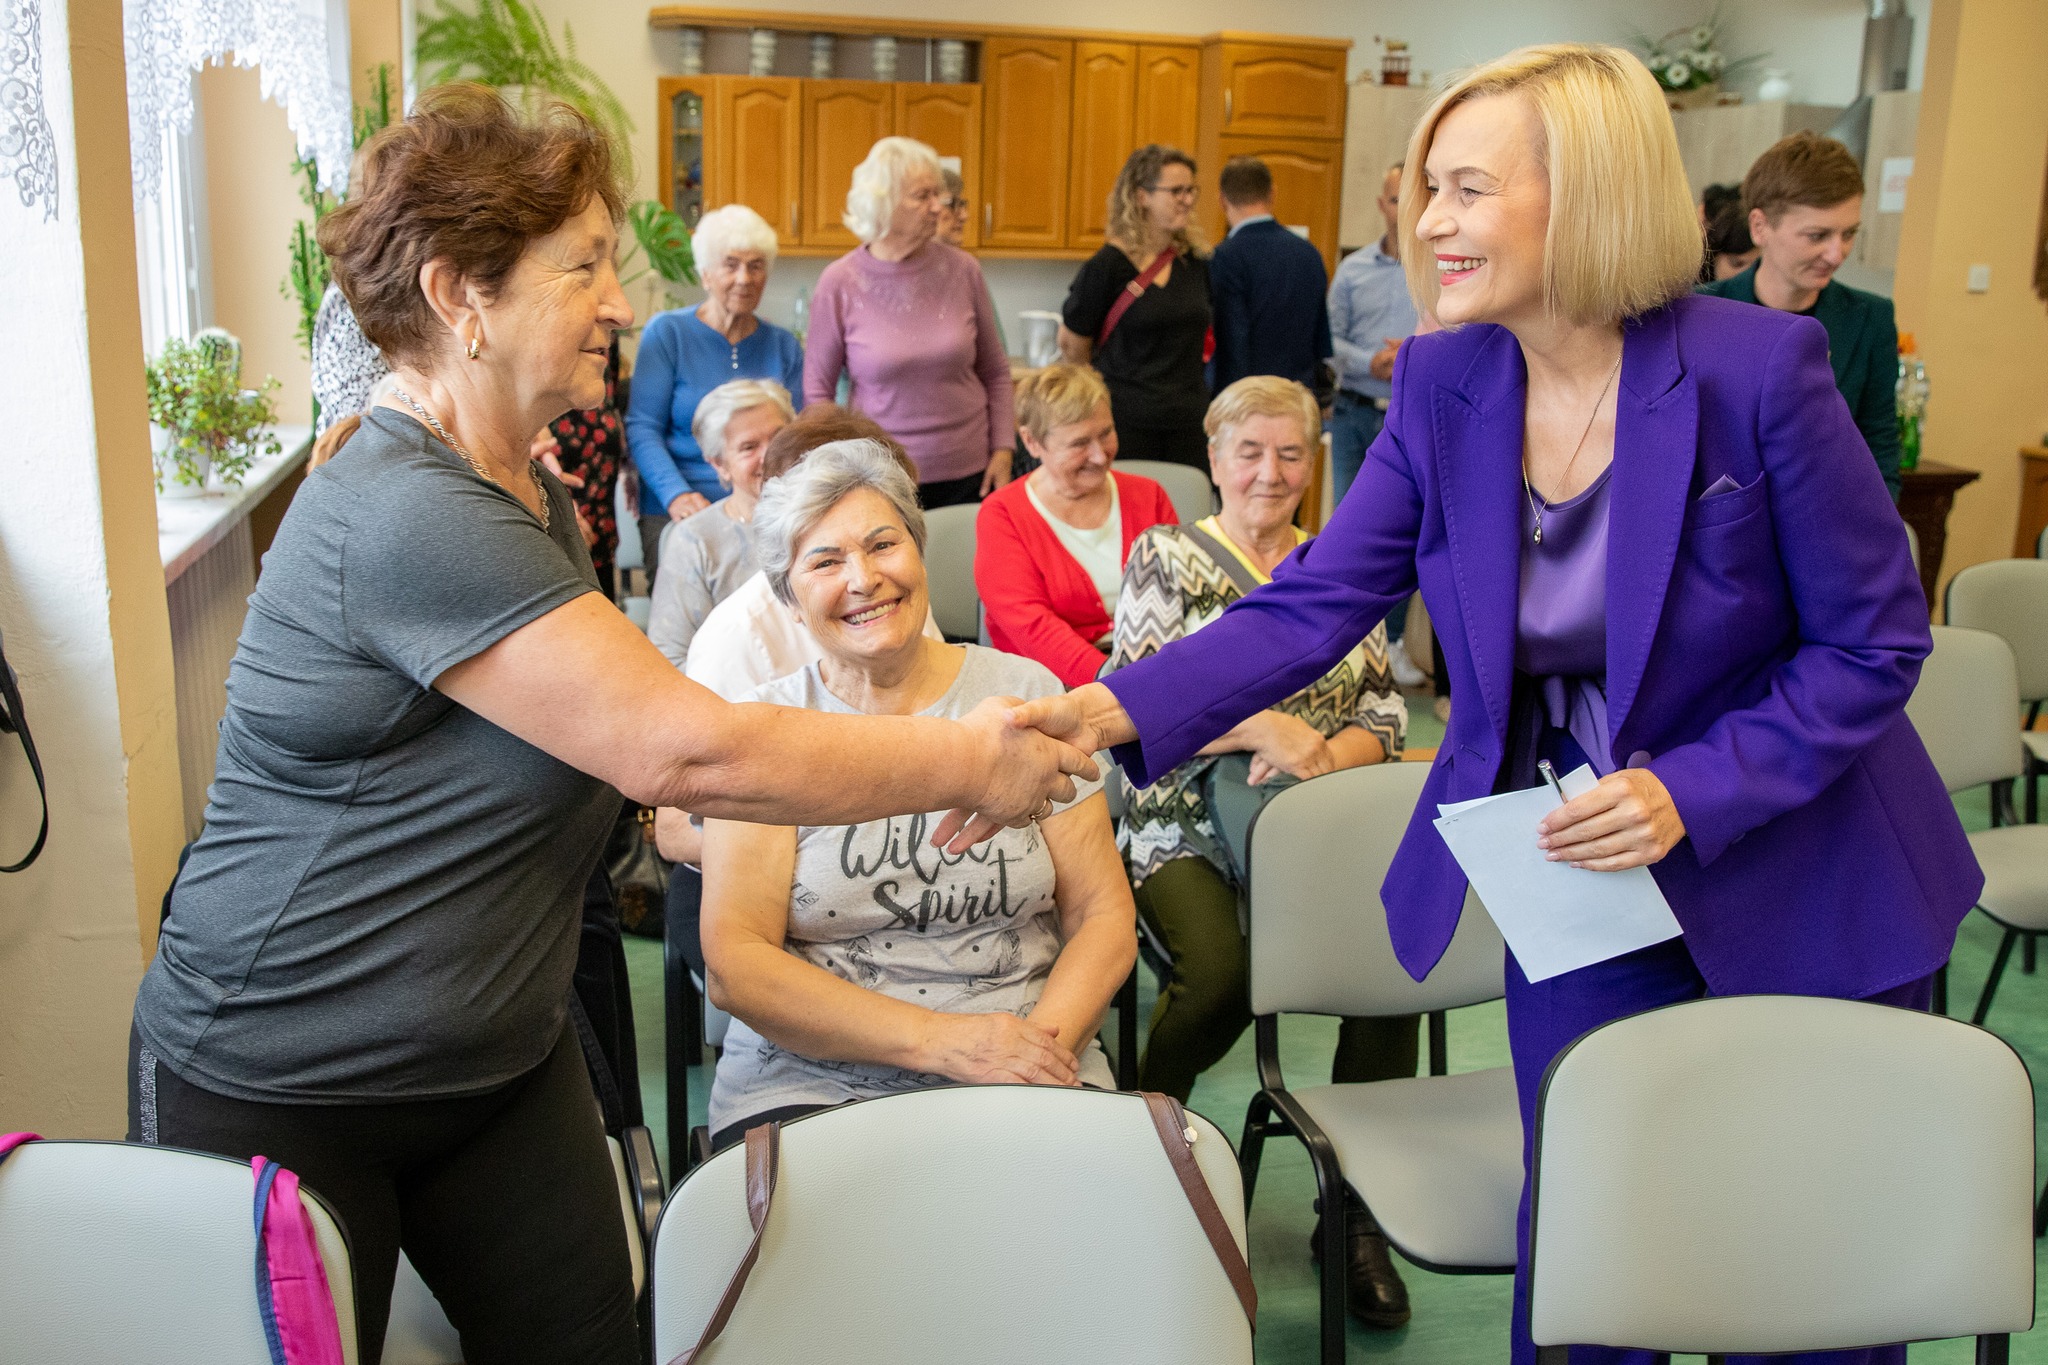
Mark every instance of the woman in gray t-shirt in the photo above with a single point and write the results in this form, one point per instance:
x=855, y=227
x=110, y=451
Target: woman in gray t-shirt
x=857, y=959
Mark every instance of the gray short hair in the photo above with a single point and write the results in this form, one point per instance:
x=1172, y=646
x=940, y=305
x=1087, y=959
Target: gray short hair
x=791, y=505
x=717, y=408
x=878, y=183
x=732, y=228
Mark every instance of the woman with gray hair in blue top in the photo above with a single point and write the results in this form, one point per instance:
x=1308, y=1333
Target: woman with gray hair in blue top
x=856, y=959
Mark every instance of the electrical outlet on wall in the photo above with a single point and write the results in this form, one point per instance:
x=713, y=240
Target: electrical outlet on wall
x=1980, y=279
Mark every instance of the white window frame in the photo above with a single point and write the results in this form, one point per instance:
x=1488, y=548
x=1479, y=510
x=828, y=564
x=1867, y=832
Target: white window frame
x=171, y=258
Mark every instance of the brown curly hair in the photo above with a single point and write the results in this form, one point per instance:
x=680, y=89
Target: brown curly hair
x=467, y=180
x=1128, y=226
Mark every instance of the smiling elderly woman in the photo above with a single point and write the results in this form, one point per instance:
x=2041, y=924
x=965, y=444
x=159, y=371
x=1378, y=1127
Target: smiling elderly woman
x=365, y=971
x=856, y=959
x=685, y=353
x=1652, y=541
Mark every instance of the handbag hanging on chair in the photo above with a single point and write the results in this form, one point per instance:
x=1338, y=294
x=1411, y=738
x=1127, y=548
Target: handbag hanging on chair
x=14, y=721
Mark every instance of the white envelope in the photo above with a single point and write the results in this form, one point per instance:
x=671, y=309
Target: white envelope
x=1555, y=917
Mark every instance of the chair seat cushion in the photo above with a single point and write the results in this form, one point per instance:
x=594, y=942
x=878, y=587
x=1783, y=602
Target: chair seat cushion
x=1438, y=1159
x=2015, y=863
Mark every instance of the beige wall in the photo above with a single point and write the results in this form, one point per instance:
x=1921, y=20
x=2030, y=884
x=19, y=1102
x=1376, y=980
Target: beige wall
x=82, y=607
x=1975, y=198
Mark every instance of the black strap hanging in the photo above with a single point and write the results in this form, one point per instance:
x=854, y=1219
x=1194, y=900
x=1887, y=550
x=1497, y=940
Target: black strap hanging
x=14, y=721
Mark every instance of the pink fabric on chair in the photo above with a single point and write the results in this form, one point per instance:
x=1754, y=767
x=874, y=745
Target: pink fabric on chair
x=301, y=1303
x=9, y=1141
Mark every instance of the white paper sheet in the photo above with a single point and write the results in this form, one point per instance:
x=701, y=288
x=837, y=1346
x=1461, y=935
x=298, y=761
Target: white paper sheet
x=1555, y=917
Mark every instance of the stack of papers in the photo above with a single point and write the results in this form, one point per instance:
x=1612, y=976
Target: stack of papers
x=1555, y=917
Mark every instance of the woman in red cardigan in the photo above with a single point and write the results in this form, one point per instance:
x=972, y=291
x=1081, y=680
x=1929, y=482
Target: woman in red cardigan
x=1049, y=549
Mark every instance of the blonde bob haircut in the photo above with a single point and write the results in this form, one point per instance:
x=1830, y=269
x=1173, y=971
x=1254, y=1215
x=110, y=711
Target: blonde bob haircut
x=1057, y=395
x=1262, y=395
x=1624, y=237
x=878, y=184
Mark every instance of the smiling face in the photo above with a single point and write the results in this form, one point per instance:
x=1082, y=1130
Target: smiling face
x=1261, y=465
x=1170, y=199
x=1074, y=457
x=1488, y=211
x=550, y=327
x=859, y=582
x=746, y=441
x=1806, y=246
x=734, y=282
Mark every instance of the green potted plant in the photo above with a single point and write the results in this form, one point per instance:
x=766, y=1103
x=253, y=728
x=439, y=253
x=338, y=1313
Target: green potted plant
x=210, y=424
x=506, y=44
x=1689, y=64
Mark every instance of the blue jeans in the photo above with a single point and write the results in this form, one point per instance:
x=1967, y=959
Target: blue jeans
x=1354, y=424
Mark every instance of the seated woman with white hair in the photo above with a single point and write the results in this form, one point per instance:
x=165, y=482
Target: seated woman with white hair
x=857, y=960
x=908, y=319
x=706, y=556
x=685, y=353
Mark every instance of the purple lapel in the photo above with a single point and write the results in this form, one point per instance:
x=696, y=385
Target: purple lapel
x=1656, y=437
x=1479, y=466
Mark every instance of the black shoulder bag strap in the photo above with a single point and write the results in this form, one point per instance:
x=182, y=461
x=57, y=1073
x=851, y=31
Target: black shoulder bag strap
x=14, y=721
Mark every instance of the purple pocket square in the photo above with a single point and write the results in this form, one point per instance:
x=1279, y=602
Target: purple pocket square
x=1724, y=484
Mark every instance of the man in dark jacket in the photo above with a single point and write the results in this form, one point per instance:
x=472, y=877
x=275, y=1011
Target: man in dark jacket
x=1267, y=287
x=1804, y=198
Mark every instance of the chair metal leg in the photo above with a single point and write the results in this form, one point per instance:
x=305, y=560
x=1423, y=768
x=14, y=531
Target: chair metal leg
x=1330, y=1196
x=2041, y=1215
x=1259, y=1121
x=683, y=1020
x=2027, y=954
x=1439, y=1044
x=1994, y=1350
x=1127, y=1032
x=1997, y=971
x=1940, y=1003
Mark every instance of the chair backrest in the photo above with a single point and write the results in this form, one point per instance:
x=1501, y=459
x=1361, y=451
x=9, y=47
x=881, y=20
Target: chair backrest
x=1966, y=708
x=1006, y=1225
x=949, y=570
x=1757, y=1174
x=112, y=1252
x=2041, y=544
x=1913, y=546
x=1319, y=941
x=2009, y=598
x=1194, y=497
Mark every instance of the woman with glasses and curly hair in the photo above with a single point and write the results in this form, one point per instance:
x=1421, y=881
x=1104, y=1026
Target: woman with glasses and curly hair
x=1138, y=310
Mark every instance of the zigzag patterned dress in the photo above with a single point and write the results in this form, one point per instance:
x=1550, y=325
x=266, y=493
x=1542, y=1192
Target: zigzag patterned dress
x=1173, y=587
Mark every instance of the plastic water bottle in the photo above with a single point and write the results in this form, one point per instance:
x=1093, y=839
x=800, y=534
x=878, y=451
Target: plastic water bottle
x=1912, y=401
x=800, y=312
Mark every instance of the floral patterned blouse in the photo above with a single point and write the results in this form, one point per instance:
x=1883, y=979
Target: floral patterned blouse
x=593, y=442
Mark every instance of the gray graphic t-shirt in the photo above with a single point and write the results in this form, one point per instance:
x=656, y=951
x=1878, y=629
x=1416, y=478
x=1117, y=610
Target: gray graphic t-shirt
x=877, y=905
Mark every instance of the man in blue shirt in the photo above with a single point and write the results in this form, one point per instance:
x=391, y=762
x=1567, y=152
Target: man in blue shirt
x=1370, y=314
x=1266, y=286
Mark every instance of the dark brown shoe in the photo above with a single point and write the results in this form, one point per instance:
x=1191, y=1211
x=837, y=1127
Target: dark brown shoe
x=1373, y=1291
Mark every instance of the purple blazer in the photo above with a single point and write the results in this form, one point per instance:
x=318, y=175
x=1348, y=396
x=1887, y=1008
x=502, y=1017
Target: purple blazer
x=1761, y=644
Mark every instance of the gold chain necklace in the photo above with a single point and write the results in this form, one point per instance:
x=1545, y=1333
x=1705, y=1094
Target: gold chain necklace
x=472, y=461
x=1536, y=505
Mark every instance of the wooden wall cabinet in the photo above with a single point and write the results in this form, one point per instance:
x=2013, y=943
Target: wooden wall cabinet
x=947, y=118
x=757, y=129
x=841, y=121
x=1276, y=90
x=1125, y=95
x=1308, y=182
x=1169, y=97
x=1027, y=103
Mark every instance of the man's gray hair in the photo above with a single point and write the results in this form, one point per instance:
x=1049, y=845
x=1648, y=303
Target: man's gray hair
x=717, y=408
x=791, y=505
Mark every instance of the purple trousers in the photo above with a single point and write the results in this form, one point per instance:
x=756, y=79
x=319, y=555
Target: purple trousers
x=1544, y=1018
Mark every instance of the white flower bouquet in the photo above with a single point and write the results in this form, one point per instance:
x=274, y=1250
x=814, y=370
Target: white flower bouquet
x=1691, y=58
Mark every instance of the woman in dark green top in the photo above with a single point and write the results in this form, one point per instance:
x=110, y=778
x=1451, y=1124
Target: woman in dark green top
x=1805, y=202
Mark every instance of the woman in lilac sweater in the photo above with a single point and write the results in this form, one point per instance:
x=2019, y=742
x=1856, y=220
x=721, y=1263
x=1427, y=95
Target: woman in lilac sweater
x=908, y=318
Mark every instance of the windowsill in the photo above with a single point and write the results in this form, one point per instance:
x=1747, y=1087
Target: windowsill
x=187, y=528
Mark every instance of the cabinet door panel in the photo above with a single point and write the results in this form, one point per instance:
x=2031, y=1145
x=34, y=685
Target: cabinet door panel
x=687, y=154
x=947, y=118
x=842, y=121
x=1027, y=110
x=760, y=148
x=1308, y=184
x=1274, y=91
x=1169, y=96
x=1105, y=93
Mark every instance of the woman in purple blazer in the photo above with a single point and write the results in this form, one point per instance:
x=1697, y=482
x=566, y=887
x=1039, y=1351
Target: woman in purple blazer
x=1651, y=538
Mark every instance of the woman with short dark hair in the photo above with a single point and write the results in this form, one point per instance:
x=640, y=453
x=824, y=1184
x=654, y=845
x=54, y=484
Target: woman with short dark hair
x=365, y=970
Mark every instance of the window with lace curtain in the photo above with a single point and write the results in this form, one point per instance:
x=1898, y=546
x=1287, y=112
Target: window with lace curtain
x=170, y=245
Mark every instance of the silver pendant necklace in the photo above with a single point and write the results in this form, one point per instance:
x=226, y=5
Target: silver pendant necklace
x=434, y=424
x=1538, y=505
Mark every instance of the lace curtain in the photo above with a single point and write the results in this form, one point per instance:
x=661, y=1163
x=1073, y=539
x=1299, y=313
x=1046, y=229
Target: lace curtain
x=300, y=47
x=28, y=149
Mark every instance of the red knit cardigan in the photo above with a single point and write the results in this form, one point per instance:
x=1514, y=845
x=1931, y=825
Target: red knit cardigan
x=1039, y=601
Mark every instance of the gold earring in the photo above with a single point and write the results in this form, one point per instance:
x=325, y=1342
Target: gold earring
x=475, y=345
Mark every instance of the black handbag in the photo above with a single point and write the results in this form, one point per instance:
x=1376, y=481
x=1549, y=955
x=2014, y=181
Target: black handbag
x=639, y=876
x=14, y=721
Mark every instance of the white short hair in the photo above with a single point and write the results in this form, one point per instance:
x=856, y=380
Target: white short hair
x=792, y=504
x=878, y=183
x=732, y=228
x=717, y=408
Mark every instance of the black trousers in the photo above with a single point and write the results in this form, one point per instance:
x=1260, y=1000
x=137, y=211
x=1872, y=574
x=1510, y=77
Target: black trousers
x=506, y=1202
x=950, y=492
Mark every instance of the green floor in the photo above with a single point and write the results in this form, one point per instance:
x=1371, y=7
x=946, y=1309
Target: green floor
x=1458, y=1319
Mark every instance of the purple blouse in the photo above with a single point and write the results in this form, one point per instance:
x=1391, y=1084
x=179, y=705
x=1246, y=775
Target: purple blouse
x=1561, y=618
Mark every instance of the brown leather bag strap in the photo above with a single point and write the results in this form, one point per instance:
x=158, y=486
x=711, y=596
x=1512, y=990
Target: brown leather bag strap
x=764, y=1155
x=1177, y=1136
x=1132, y=292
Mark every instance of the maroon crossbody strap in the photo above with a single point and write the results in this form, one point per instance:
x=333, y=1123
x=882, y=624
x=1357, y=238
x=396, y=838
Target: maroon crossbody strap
x=1132, y=292
x=764, y=1155
x=1176, y=1137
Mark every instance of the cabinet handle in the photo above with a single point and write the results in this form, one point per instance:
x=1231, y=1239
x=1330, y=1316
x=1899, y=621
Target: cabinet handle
x=1226, y=106
x=988, y=220
x=794, y=230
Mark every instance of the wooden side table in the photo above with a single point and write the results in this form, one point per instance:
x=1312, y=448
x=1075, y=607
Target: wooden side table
x=1926, y=495
x=2033, y=500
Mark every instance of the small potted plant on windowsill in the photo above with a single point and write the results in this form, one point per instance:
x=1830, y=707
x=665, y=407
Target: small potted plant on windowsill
x=211, y=426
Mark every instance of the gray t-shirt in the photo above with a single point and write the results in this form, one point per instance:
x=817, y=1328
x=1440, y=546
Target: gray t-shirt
x=877, y=905
x=703, y=558
x=386, y=901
